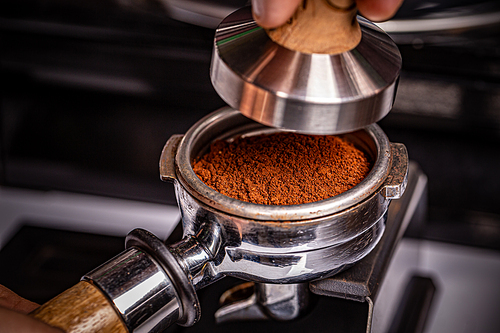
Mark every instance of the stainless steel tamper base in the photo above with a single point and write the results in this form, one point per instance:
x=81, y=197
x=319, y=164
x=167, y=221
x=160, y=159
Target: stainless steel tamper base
x=310, y=93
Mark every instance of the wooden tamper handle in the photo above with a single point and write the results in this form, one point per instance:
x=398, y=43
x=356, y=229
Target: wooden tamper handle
x=320, y=26
x=82, y=308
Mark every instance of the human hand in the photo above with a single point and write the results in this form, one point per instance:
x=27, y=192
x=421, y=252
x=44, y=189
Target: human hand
x=13, y=315
x=273, y=13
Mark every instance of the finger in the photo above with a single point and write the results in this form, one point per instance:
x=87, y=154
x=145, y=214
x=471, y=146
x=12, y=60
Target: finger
x=14, y=322
x=273, y=13
x=11, y=300
x=378, y=10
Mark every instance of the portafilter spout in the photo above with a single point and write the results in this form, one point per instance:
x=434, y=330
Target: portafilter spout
x=326, y=71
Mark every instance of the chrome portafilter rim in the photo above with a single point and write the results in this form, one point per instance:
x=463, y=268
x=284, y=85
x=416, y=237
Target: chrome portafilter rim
x=226, y=123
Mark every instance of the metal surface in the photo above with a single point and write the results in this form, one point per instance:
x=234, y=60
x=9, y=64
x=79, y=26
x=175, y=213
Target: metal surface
x=189, y=305
x=140, y=290
x=311, y=93
x=277, y=253
x=363, y=280
x=267, y=301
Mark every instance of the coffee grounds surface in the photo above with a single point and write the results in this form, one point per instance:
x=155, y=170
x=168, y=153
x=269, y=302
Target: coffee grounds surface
x=283, y=168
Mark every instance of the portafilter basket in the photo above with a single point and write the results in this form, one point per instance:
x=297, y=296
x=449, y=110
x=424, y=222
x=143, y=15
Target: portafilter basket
x=281, y=244
x=150, y=285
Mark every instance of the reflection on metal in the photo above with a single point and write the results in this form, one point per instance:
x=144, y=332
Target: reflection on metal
x=267, y=302
x=140, y=289
x=203, y=13
x=189, y=306
x=370, y=315
x=441, y=24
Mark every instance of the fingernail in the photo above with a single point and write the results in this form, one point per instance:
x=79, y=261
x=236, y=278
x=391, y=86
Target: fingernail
x=257, y=8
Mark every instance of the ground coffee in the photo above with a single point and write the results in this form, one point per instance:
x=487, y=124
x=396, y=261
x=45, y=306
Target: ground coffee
x=283, y=168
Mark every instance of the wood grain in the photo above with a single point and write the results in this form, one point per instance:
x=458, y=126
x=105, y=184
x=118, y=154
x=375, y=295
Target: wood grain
x=82, y=308
x=320, y=26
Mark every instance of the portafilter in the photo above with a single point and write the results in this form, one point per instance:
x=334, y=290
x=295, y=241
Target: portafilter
x=151, y=285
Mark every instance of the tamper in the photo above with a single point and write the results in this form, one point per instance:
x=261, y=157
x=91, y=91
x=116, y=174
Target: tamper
x=326, y=71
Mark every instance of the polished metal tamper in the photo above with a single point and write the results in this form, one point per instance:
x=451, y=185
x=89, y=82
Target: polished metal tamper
x=326, y=71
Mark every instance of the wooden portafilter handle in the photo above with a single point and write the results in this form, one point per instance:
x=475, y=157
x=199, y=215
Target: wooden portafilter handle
x=82, y=308
x=320, y=26
x=144, y=288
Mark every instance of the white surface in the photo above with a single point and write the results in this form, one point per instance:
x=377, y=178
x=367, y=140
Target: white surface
x=78, y=212
x=404, y=263
x=467, y=282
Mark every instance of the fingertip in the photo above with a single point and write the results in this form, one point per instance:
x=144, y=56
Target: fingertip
x=377, y=10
